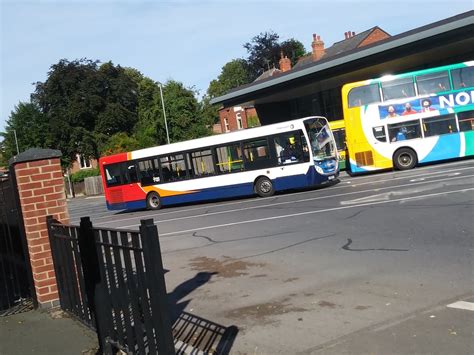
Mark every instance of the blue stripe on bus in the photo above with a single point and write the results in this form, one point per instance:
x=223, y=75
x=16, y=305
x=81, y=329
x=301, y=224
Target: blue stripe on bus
x=131, y=205
x=311, y=178
x=448, y=146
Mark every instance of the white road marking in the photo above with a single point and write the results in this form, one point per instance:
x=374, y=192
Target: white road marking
x=420, y=179
x=462, y=305
x=363, y=199
x=431, y=175
x=312, y=212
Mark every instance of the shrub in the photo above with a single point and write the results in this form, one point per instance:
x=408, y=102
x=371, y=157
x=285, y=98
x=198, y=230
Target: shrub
x=82, y=174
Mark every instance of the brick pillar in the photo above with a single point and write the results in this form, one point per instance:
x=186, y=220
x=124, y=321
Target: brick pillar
x=40, y=184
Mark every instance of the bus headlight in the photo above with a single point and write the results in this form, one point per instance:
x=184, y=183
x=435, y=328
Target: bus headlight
x=319, y=170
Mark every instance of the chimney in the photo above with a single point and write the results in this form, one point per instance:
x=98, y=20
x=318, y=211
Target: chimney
x=349, y=34
x=285, y=63
x=318, y=48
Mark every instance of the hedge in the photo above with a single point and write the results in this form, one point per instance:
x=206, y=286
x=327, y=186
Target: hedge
x=82, y=174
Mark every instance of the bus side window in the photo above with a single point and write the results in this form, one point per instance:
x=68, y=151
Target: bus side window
x=113, y=174
x=463, y=77
x=202, y=163
x=433, y=83
x=466, y=121
x=229, y=158
x=403, y=131
x=363, y=95
x=288, y=148
x=149, y=172
x=398, y=88
x=131, y=175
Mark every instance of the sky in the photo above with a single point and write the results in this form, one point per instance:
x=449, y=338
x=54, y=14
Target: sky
x=184, y=40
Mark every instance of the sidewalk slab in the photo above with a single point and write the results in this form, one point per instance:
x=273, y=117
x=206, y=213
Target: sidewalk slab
x=36, y=332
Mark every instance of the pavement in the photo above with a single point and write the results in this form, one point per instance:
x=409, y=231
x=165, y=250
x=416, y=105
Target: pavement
x=371, y=265
x=41, y=332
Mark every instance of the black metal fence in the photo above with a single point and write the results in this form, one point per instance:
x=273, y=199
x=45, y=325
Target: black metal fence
x=113, y=281
x=15, y=273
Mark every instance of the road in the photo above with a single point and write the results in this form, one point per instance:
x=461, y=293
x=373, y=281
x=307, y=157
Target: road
x=368, y=265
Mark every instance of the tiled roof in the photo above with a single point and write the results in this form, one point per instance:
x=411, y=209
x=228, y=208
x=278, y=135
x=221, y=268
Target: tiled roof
x=268, y=74
x=338, y=47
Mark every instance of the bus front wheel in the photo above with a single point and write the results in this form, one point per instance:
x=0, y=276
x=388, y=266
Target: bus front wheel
x=153, y=201
x=405, y=159
x=264, y=187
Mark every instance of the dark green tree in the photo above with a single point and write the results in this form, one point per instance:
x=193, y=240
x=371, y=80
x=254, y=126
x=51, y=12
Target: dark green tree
x=293, y=49
x=264, y=52
x=83, y=101
x=233, y=74
x=31, y=127
x=183, y=113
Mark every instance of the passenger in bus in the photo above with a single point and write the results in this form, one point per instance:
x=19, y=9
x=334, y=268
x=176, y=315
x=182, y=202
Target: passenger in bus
x=289, y=153
x=401, y=135
x=408, y=110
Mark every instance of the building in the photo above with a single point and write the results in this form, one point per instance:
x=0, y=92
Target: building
x=237, y=117
x=82, y=163
x=313, y=86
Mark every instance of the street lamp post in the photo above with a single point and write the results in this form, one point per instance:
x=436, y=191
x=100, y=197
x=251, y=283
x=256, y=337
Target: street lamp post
x=164, y=111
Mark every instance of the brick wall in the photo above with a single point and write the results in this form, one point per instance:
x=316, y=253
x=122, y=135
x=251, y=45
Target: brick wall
x=375, y=36
x=41, y=191
x=229, y=115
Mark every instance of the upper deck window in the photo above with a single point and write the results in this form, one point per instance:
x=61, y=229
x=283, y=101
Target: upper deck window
x=398, y=88
x=364, y=95
x=433, y=83
x=463, y=77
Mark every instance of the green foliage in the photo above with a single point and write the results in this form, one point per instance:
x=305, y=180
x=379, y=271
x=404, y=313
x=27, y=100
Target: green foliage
x=233, y=74
x=119, y=143
x=183, y=113
x=253, y=121
x=264, y=52
x=293, y=49
x=31, y=127
x=81, y=100
x=82, y=174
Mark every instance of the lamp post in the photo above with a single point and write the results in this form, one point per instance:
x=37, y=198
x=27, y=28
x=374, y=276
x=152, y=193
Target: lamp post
x=164, y=111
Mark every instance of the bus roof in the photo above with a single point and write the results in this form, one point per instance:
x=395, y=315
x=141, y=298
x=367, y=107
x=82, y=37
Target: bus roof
x=389, y=77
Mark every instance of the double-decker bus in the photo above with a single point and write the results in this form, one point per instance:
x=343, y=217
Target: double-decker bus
x=402, y=120
x=289, y=155
x=339, y=131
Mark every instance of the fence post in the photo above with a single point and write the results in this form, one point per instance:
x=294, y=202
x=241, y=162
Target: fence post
x=54, y=255
x=90, y=268
x=156, y=276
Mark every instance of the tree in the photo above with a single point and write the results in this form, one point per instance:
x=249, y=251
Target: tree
x=83, y=101
x=264, y=52
x=31, y=127
x=293, y=49
x=183, y=113
x=119, y=143
x=233, y=74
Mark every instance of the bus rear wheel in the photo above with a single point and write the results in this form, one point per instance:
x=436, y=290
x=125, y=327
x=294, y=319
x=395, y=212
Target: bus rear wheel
x=405, y=159
x=264, y=187
x=153, y=201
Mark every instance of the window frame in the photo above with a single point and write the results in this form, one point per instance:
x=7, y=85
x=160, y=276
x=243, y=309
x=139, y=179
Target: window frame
x=349, y=99
x=433, y=79
x=409, y=82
